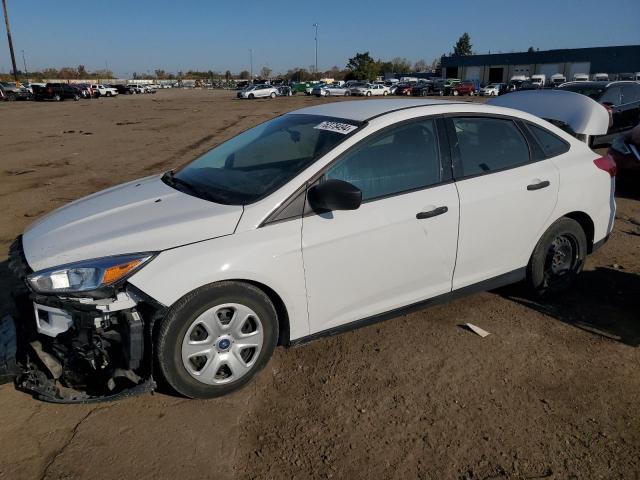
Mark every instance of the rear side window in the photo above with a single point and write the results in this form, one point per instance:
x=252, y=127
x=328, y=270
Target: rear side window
x=551, y=144
x=612, y=95
x=401, y=159
x=489, y=144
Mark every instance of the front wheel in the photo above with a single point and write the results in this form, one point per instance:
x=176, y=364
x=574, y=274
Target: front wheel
x=273, y=95
x=252, y=96
x=215, y=339
x=558, y=257
x=368, y=94
x=76, y=97
x=57, y=98
x=455, y=93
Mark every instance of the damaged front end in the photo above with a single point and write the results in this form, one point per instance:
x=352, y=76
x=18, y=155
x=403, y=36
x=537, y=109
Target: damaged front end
x=81, y=349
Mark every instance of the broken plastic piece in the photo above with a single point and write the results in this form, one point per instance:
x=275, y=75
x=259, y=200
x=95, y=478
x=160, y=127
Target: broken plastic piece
x=476, y=330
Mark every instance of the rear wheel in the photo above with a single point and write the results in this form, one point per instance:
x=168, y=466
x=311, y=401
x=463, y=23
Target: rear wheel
x=57, y=98
x=216, y=338
x=455, y=93
x=558, y=257
x=368, y=94
x=252, y=96
x=273, y=95
x=11, y=97
x=76, y=97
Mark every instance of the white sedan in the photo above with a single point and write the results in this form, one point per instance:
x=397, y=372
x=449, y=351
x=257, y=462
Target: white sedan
x=259, y=91
x=369, y=89
x=319, y=221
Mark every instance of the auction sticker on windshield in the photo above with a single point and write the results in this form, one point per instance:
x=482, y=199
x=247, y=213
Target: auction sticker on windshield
x=337, y=127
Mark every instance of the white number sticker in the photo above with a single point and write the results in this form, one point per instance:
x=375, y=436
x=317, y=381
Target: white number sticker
x=342, y=128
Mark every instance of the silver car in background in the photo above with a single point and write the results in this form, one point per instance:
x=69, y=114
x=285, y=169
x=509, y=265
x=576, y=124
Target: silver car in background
x=334, y=90
x=259, y=91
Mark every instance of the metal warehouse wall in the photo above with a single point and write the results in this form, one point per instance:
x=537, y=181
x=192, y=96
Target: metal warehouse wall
x=618, y=59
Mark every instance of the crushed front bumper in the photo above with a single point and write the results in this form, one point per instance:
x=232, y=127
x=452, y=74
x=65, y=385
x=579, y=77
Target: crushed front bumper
x=79, y=350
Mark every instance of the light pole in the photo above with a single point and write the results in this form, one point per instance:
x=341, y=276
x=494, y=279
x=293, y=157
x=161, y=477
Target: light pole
x=316, y=25
x=24, y=62
x=251, y=65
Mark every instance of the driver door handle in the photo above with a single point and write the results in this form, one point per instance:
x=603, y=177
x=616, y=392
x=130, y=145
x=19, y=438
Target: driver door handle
x=539, y=185
x=432, y=213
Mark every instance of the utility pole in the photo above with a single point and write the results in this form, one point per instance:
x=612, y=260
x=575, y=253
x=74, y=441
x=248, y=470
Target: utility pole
x=13, y=57
x=251, y=65
x=316, y=25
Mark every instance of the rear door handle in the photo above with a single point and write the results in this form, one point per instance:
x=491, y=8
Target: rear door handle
x=539, y=185
x=432, y=213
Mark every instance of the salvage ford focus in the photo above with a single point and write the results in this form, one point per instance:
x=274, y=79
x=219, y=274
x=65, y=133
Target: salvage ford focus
x=320, y=220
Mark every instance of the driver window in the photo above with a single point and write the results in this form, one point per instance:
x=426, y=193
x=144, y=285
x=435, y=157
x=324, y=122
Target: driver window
x=398, y=160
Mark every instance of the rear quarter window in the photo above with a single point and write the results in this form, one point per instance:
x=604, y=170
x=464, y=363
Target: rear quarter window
x=551, y=144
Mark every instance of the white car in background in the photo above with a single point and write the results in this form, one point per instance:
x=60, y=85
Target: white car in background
x=301, y=227
x=370, y=89
x=259, y=91
x=104, y=91
x=491, y=90
x=334, y=90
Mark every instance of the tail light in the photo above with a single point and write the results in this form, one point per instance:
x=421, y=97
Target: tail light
x=609, y=108
x=608, y=164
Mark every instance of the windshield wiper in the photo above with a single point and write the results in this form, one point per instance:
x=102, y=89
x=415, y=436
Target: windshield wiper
x=170, y=179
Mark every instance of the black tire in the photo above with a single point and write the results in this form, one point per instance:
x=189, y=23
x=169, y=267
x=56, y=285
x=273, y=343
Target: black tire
x=273, y=95
x=251, y=96
x=57, y=98
x=11, y=97
x=541, y=276
x=76, y=97
x=174, y=326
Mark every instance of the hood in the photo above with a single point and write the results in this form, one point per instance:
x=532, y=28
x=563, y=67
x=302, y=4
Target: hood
x=140, y=216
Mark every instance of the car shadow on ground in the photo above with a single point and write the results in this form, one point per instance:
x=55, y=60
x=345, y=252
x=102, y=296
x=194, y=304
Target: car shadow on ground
x=628, y=186
x=604, y=302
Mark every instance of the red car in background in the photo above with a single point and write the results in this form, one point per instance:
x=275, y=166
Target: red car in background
x=404, y=89
x=464, y=88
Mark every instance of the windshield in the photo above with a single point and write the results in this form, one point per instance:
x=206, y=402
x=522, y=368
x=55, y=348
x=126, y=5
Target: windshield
x=257, y=162
x=590, y=91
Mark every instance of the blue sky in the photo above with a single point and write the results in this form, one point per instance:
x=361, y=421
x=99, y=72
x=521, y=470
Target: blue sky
x=144, y=35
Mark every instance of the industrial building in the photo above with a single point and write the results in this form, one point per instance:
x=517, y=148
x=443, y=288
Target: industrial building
x=618, y=62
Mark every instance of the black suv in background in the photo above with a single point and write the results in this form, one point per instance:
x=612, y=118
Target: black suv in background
x=621, y=99
x=55, y=91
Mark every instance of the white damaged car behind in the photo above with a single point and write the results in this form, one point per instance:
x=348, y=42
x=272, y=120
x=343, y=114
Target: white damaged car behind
x=318, y=221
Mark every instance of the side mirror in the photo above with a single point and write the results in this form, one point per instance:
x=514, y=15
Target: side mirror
x=334, y=195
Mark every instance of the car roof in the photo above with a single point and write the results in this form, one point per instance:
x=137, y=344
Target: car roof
x=360, y=110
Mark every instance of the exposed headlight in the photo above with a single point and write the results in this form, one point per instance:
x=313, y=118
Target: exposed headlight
x=87, y=275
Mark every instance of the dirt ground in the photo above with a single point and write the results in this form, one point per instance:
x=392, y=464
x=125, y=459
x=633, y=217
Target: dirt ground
x=552, y=393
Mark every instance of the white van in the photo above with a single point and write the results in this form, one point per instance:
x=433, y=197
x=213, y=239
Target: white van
x=602, y=77
x=539, y=80
x=581, y=77
x=558, y=79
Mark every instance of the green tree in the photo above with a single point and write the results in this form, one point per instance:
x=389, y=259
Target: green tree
x=244, y=75
x=530, y=50
x=463, y=46
x=363, y=67
x=227, y=75
x=82, y=72
x=400, y=65
x=420, y=65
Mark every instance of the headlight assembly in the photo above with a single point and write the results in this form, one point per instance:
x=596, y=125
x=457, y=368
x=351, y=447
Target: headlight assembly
x=87, y=275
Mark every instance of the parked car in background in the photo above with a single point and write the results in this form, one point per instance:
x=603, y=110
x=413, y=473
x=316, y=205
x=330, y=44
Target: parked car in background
x=392, y=86
x=56, y=91
x=11, y=91
x=493, y=90
x=332, y=90
x=259, y=91
x=104, y=91
x=625, y=150
x=581, y=77
x=121, y=89
x=424, y=88
x=285, y=91
x=464, y=88
x=369, y=89
x=311, y=86
x=620, y=98
x=449, y=85
x=260, y=241
x=403, y=89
